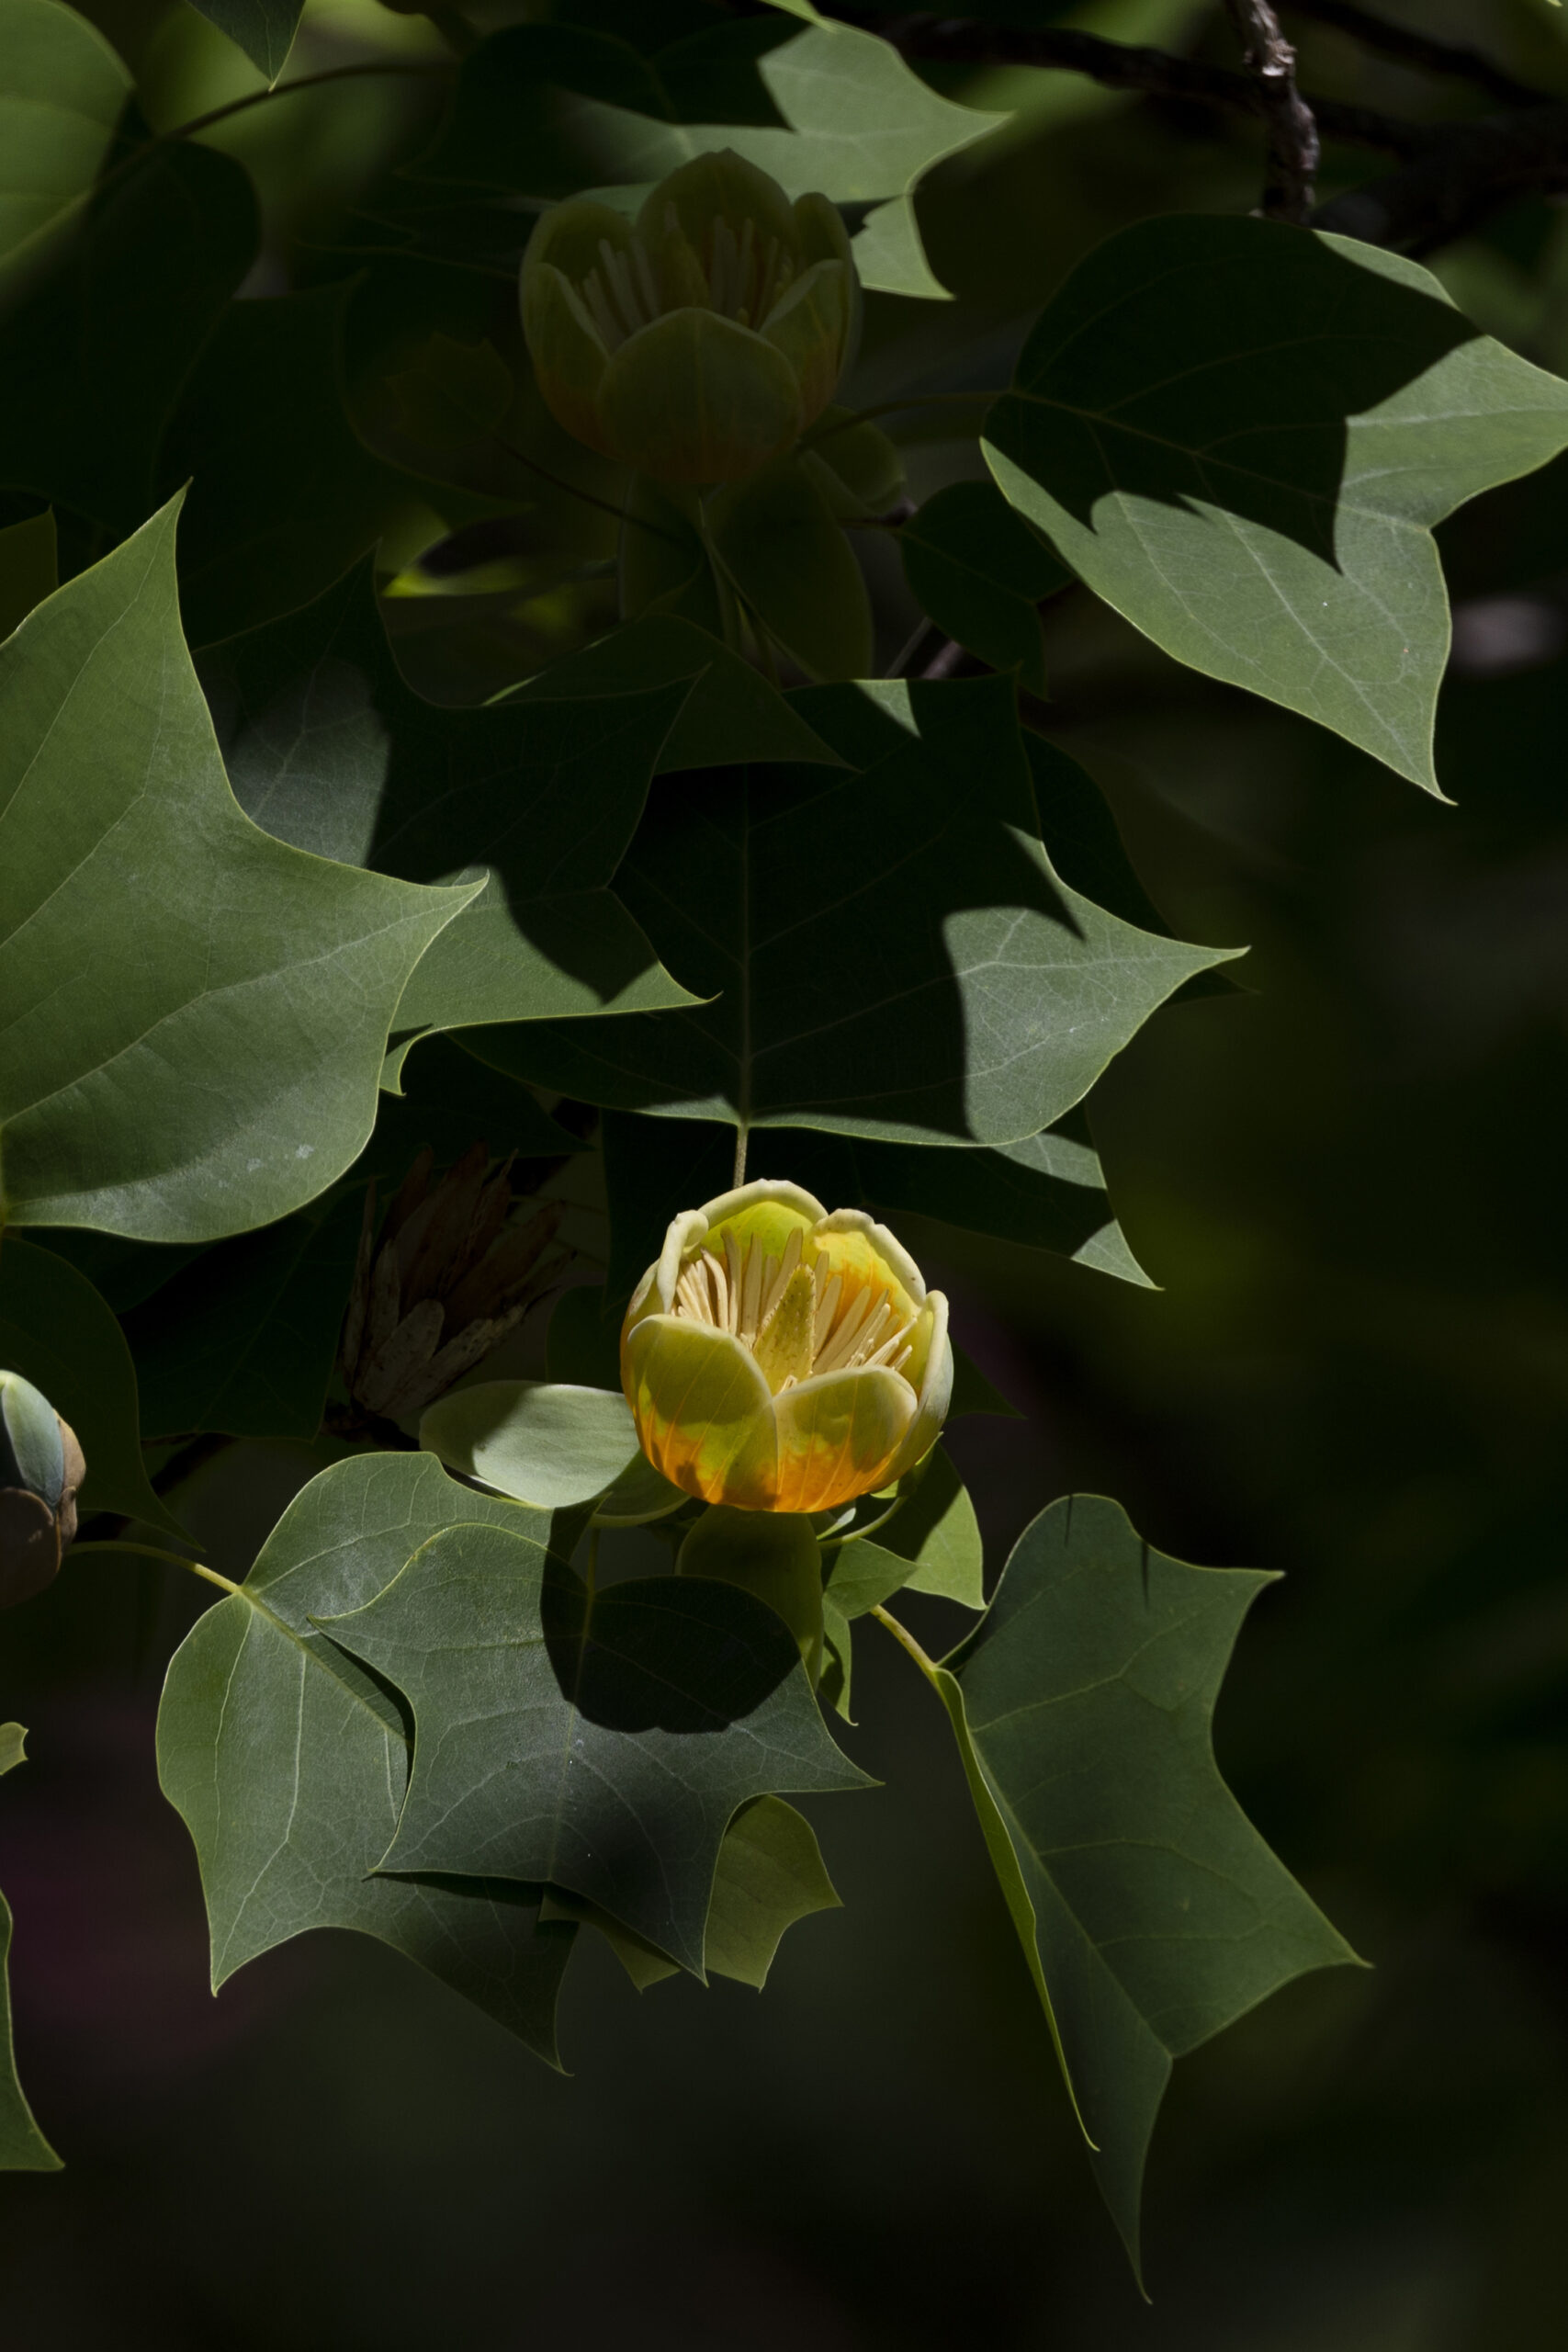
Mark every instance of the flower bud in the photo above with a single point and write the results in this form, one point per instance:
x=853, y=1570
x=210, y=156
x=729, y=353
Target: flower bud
x=699, y=341
x=777, y=1358
x=40, y=1469
x=448, y=1278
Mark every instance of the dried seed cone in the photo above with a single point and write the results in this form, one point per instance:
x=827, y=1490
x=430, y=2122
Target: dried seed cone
x=445, y=1280
x=42, y=1468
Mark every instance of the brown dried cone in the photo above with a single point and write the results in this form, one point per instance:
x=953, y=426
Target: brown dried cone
x=445, y=1281
x=37, y=1520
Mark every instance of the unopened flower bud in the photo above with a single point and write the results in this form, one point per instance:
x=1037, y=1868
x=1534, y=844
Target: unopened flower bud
x=40, y=1469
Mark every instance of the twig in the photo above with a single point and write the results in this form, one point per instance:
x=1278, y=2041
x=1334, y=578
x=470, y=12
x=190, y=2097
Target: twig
x=1463, y=174
x=1153, y=71
x=1294, y=150
x=1416, y=49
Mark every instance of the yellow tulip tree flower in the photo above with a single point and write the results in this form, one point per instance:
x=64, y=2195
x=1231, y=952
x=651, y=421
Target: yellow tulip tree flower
x=780, y=1358
x=699, y=341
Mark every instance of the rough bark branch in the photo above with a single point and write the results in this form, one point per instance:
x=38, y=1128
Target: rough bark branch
x=1465, y=171
x=1153, y=71
x=1416, y=49
x=1294, y=150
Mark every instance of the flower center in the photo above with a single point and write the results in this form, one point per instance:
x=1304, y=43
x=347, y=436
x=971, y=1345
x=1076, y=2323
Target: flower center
x=745, y=281
x=794, y=1319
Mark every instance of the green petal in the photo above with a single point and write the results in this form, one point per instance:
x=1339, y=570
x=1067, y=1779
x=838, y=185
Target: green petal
x=704, y=1416
x=722, y=185
x=839, y=1436
x=567, y=238
x=569, y=358
x=932, y=1367
x=821, y=232
x=697, y=399
x=811, y=328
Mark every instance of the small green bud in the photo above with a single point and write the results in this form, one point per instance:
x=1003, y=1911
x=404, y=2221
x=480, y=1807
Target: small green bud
x=40, y=1469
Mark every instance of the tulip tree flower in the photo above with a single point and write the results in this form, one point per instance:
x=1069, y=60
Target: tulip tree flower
x=701, y=340
x=778, y=1358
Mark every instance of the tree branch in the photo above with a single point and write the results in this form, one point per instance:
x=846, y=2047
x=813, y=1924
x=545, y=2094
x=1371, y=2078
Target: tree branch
x=1416, y=49
x=1153, y=71
x=1294, y=150
x=1465, y=171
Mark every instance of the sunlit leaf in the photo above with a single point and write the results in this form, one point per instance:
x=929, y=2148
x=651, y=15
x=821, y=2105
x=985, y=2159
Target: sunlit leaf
x=1151, y=1912
x=601, y=1742
x=330, y=748
x=823, y=894
x=550, y=110
x=62, y=91
x=288, y=1763
x=265, y=29
x=544, y=1442
x=231, y=1076
x=1241, y=437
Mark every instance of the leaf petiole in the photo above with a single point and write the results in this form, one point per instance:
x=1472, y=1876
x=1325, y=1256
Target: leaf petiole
x=152, y=1552
x=927, y=1666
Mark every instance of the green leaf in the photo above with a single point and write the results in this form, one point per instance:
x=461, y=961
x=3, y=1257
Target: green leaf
x=23, y=2147
x=546, y=109
x=1151, y=1912
x=453, y=394
x=814, y=929
x=289, y=1764
x=544, y=1442
x=58, y=1333
x=328, y=748
x=973, y=1393
x=265, y=29
x=263, y=429
x=602, y=1741
x=980, y=572
x=62, y=91
x=1241, y=434
x=1046, y=1192
x=792, y=564
x=233, y=1074
x=838, y=1658
x=731, y=714
x=583, y=1344
x=772, y=1554
x=449, y=1101
x=243, y=1340
x=29, y=568
x=931, y=1543
x=769, y=1873
x=95, y=350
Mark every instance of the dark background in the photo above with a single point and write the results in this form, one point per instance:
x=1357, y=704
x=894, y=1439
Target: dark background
x=1349, y=1180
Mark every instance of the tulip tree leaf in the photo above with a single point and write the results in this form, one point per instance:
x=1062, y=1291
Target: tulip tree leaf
x=769, y=1873
x=550, y=110
x=243, y=1339
x=829, y=1011
x=730, y=713
x=289, y=1764
x=233, y=1076
x=1241, y=438
x=931, y=1543
x=1151, y=1912
x=285, y=495
x=544, y=1442
x=328, y=748
x=23, y=2147
x=980, y=572
x=600, y=1741
x=1046, y=1192
x=95, y=350
x=265, y=29
x=58, y=1333
x=62, y=89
